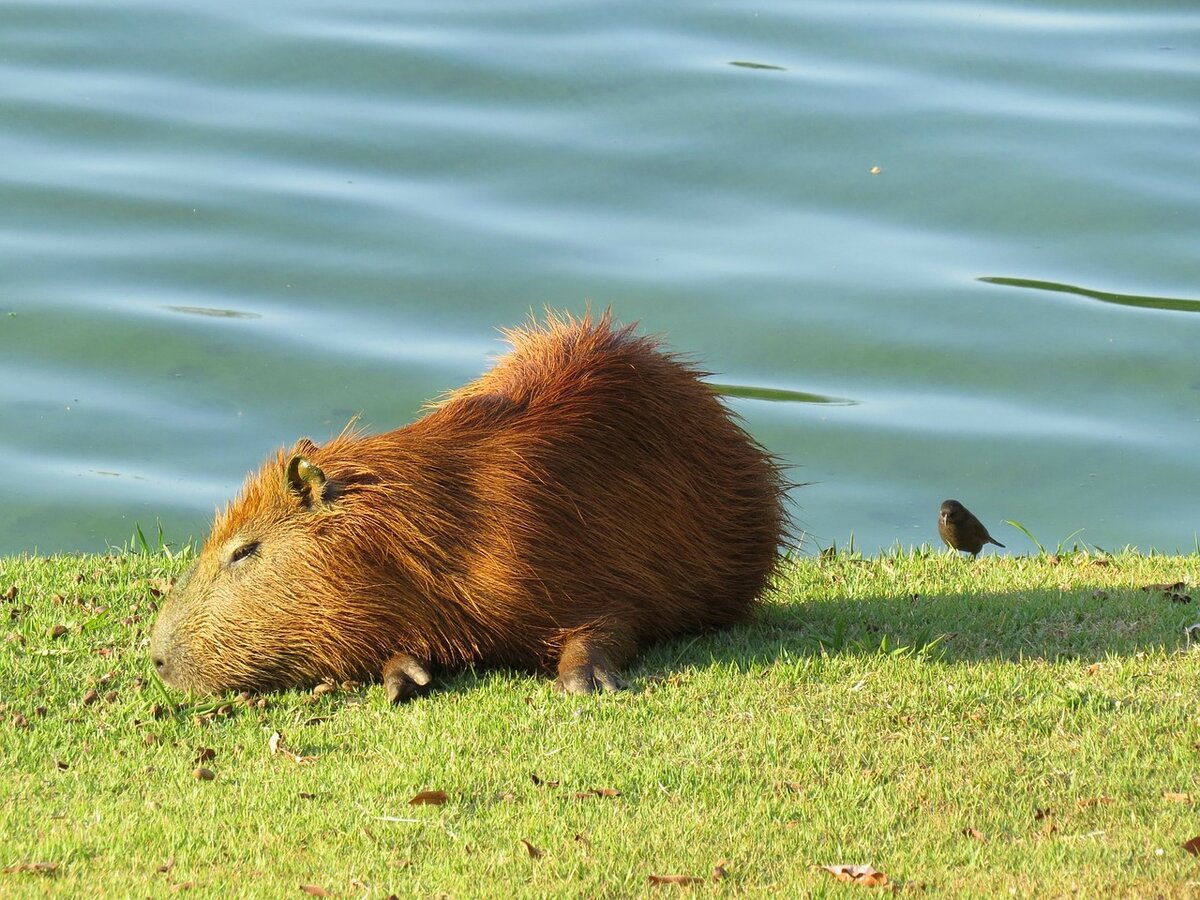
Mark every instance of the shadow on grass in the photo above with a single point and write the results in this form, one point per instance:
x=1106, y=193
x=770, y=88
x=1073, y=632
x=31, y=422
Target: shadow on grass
x=1087, y=622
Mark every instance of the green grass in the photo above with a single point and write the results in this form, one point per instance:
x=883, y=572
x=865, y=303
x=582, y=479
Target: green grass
x=876, y=710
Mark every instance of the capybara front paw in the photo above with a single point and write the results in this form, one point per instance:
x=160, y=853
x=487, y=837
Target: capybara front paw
x=589, y=679
x=405, y=677
x=586, y=668
x=586, y=665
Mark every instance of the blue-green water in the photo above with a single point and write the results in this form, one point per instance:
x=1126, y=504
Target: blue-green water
x=227, y=225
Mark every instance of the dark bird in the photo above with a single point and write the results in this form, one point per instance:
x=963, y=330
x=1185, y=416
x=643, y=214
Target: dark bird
x=961, y=530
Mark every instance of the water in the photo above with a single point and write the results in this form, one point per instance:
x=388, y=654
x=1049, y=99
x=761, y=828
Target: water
x=227, y=225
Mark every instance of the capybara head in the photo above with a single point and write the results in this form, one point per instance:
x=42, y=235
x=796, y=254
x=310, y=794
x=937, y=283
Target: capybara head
x=263, y=605
x=587, y=496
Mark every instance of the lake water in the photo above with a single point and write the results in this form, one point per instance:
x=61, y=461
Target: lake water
x=225, y=225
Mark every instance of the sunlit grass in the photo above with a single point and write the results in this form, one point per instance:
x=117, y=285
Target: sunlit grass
x=1010, y=724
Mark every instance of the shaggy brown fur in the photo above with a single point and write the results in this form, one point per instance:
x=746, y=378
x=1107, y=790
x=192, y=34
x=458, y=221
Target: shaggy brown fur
x=587, y=496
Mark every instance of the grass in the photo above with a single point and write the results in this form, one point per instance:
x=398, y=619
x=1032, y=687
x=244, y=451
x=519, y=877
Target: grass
x=1013, y=726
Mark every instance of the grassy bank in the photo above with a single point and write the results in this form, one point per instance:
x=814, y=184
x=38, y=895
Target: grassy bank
x=1012, y=725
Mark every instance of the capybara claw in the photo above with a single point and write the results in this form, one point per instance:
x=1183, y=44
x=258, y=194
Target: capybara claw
x=405, y=677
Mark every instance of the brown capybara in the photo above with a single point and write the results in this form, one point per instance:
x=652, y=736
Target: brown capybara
x=587, y=496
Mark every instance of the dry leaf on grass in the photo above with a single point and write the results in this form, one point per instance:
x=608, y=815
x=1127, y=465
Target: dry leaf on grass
x=37, y=868
x=534, y=852
x=429, y=798
x=159, y=587
x=1094, y=801
x=1192, y=846
x=538, y=782
x=315, y=890
x=595, y=792
x=975, y=835
x=1173, y=797
x=719, y=873
x=868, y=876
x=1173, y=591
x=167, y=866
x=205, y=754
x=1046, y=817
x=202, y=774
x=675, y=879
x=277, y=748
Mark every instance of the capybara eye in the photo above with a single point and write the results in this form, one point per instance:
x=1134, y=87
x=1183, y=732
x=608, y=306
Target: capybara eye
x=243, y=551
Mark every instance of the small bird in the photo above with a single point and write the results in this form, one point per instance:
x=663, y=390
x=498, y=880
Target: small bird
x=961, y=530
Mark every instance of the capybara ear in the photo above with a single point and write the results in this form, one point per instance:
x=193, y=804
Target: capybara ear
x=306, y=480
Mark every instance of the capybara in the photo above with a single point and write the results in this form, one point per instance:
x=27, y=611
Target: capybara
x=587, y=496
